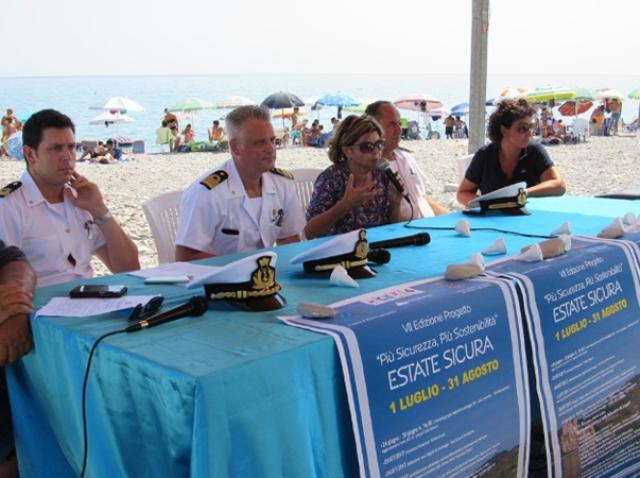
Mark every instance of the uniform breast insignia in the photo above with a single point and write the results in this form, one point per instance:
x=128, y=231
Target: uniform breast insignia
x=282, y=172
x=9, y=188
x=214, y=179
x=277, y=215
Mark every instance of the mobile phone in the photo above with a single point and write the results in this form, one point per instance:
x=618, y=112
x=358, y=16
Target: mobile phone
x=95, y=290
x=177, y=279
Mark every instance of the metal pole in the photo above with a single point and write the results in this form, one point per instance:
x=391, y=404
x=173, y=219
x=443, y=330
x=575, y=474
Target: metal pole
x=478, y=80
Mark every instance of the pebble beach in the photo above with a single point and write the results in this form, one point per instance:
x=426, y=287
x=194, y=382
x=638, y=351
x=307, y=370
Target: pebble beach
x=602, y=164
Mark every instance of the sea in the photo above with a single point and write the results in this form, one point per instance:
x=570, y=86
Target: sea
x=74, y=95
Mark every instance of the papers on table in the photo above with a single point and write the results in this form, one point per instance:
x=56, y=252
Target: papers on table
x=67, y=307
x=194, y=271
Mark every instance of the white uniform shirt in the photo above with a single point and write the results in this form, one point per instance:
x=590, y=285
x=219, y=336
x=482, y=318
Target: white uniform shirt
x=51, y=240
x=416, y=185
x=219, y=220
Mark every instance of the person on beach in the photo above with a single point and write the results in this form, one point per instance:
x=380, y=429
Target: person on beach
x=247, y=203
x=403, y=164
x=216, y=132
x=353, y=193
x=449, y=124
x=56, y=216
x=188, y=133
x=510, y=158
x=17, y=284
x=171, y=119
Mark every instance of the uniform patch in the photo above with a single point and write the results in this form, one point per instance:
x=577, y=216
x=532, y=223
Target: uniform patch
x=282, y=172
x=214, y=179
x=9, y=188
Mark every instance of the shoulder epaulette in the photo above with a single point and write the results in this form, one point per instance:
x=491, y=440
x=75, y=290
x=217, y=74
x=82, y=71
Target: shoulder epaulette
x=9, y=188
x=282, y=172
x=214, y=179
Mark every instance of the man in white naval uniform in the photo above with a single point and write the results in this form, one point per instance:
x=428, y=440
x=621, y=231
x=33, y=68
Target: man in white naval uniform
x=247, y=203
x=56, y=216
x=403, y=164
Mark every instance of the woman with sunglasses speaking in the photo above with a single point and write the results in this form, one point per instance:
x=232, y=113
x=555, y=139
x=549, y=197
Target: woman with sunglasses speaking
x=352, y=194
x=510, y=158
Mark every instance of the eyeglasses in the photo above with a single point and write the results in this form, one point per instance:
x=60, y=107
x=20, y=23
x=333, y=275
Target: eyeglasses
x=141, y=312
x=369, y=147
x=525, y=127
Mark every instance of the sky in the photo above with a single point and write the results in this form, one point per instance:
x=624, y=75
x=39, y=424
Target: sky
x=156, y=37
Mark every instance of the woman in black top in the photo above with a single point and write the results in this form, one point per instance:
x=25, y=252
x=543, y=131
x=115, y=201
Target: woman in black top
x=509, y=158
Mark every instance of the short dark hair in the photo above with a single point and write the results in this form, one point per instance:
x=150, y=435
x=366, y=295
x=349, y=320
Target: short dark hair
x=508, y=112
x=374, y=108
x=38, y=122
x=216, y=122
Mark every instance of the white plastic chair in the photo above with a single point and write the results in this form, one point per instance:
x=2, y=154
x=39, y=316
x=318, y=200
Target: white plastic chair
x=580, y=129
x=304, y=180
x=162, y=213
x=462, y=163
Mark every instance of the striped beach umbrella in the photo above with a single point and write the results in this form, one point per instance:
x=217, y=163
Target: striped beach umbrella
x=549, y=93
x=635, y=94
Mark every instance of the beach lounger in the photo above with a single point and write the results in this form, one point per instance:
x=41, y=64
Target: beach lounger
x=162, y=213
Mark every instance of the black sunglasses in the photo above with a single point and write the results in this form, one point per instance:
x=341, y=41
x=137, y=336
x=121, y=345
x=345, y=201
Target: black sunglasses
x=369, y=147
x=141, y=312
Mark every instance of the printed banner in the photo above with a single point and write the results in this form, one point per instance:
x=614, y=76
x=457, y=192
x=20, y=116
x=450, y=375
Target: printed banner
x=583, y=314
x=436, y=378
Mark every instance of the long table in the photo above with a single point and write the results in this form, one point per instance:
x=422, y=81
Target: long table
x=229, y=393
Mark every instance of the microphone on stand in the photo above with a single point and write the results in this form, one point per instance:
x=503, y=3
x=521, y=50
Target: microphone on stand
x=384, y=166
x=196, y=306
x=419, y=239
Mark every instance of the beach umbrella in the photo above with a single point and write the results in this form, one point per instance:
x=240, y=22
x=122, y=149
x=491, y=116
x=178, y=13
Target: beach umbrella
x=192, y=104
x=609, y=94
x=288, y=113
x=460, y=110
x=635, y=94
x=360, y=107
x=234, y=102
x=568, y=108
x=511, y=93
x=111, y=117
x=584, y=94
x=337, y=99
x=119, y=103
x=418, y=102
x=550, y=93
x=280, y=101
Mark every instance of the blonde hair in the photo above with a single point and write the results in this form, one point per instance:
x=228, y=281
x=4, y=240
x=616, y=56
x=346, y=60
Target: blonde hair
x=349, y=132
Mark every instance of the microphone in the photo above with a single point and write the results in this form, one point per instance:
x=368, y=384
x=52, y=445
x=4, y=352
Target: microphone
x=419, y=239
x=379, y=256
x=196, y=306
x=383, y=166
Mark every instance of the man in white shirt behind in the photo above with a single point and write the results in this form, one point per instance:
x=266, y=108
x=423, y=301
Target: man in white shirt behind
x=404, y=164
x=245, y=204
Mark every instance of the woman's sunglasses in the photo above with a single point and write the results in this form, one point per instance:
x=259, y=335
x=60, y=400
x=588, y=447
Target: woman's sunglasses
x=368, y=147
x=525, y=127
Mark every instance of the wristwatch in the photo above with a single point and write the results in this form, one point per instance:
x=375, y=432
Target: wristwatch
x=102, y=219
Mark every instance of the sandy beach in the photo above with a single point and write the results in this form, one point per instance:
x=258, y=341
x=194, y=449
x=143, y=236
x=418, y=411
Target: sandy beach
x=603, y=164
